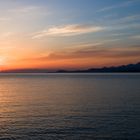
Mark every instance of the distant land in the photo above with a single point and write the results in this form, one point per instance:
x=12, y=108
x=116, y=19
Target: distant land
x=123, y=68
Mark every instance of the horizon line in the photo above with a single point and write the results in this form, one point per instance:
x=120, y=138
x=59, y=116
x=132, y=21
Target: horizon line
x=60, y=70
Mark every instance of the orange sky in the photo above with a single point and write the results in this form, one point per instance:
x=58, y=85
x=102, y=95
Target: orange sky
x=51, y=35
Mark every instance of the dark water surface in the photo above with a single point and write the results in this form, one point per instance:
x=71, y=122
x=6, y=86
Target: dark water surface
x=69, y=106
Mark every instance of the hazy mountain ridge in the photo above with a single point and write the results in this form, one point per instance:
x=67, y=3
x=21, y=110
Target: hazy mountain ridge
x=122, y=68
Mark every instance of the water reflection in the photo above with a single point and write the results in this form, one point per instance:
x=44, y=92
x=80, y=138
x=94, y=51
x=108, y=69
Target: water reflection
x=69, y=106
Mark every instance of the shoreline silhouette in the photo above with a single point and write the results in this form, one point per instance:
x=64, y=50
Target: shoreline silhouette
x=113, y=69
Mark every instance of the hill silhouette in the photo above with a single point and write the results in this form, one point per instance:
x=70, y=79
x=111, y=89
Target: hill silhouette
x=122, y=68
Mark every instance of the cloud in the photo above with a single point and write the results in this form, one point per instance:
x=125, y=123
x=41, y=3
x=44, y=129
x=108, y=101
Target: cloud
x=131, y=18
x=91, y=52
x=127, y=19
x=135, y=37
x=68, y=30
x=7, y=34
x=124, y=26
x=96, y=52
x=25, y=9
x=36, y=11
x=4, y=19
x=121, y=5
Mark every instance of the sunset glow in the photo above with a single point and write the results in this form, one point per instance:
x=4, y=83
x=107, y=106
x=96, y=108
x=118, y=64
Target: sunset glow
x=65, y=35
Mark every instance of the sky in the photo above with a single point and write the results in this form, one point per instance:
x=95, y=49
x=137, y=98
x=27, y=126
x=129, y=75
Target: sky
x=68, y=34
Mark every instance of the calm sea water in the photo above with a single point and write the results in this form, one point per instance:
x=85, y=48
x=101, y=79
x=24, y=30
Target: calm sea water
x=70, y=106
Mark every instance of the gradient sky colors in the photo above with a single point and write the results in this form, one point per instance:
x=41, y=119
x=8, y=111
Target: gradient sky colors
x=69, y=34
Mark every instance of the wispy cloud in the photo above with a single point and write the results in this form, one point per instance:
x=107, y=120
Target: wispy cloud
x=128, y=19
x=67, y=30
x=26, y=9
x=135, y=37
x=35, y=11
x=7, y=34
x=121, y=5
x=124, y=26
x=4, y=19
x=95, y=52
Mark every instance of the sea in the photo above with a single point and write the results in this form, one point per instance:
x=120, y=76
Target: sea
x=70, y=106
